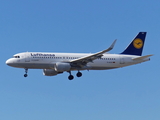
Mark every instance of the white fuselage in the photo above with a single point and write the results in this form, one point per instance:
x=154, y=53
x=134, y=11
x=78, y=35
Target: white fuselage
x=57, y=63
x=41, y=60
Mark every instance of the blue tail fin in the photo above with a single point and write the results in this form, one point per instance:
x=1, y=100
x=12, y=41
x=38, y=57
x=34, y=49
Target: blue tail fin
x=136, y=46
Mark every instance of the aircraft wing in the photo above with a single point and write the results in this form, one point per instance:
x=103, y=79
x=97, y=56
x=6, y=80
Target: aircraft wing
x=84, y=60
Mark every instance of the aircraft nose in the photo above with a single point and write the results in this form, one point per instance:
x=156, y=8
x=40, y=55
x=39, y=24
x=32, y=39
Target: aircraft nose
x=9, y=62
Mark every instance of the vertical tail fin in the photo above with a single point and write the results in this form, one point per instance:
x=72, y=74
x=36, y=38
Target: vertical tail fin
x=136, y=46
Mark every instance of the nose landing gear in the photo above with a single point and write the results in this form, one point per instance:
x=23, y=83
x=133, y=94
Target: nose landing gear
x=26, y=71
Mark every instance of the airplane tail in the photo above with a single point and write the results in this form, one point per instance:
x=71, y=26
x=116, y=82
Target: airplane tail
x=136, y=46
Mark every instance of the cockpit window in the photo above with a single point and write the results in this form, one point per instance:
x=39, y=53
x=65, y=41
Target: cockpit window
x=16, y=56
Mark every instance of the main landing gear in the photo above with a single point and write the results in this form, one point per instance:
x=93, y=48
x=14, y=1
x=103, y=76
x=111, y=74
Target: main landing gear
x=71, y=77
x=26, y=71
x=79, y=74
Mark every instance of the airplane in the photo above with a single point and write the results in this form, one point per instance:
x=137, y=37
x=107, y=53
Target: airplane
x=57, y=63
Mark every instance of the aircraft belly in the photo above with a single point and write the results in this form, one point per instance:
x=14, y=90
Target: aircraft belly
x=102, y=68
x=103, y=65
x=34, y=65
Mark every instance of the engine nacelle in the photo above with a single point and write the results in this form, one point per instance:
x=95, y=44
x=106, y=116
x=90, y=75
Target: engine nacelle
x=49, y=72
x=61, y=67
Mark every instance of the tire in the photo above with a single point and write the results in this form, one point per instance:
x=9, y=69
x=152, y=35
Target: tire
x=25, y=75
x=79, y=74
x=70, y=77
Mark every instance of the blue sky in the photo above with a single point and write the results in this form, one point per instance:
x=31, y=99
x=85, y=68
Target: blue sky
x=130, y=93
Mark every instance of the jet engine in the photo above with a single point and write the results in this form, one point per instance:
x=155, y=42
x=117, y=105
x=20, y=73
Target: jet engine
x=61, y=67
x=50, y=72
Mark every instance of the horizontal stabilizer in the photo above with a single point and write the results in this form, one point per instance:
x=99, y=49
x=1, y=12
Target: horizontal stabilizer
x=142, y=57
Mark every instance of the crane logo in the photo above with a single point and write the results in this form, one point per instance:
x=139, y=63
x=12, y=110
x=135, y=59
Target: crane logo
x=138, y=43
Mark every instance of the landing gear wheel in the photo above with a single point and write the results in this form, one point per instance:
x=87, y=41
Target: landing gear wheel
x=26, y=71
x=25, y=75
x=70, y=77
x=79, y=74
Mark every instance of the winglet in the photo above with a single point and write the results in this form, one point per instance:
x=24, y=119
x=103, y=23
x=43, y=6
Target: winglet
x=111, y=47
x=113, y=44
